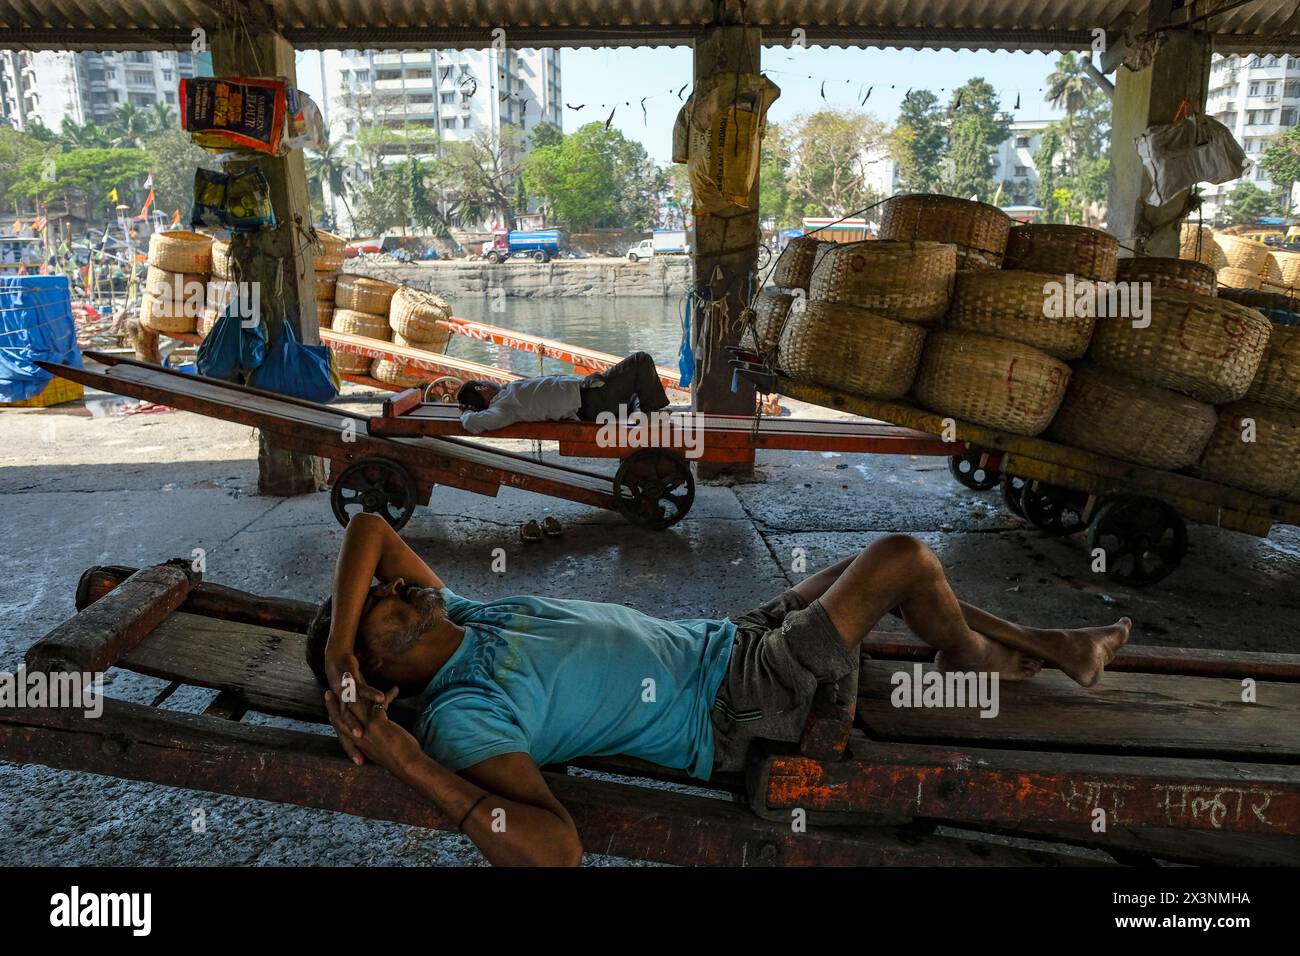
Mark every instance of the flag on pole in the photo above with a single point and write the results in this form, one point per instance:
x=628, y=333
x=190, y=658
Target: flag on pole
x=148, y=182
x=39, y=223
x=112, y=194
x=176, y=218
x=148, y=201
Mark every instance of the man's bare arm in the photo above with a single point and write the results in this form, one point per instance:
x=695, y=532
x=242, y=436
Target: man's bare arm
x=515, y=820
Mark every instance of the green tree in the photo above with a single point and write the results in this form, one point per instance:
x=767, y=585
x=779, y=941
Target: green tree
x=829, y=152
x=595, y=177
x=88, y=174
x=173, y=159
x=976, y=127
x=1247, y=204
x=773, y=178
x=87, y=135
x=919, y=141
x=129, y=126
x=1073, y=159
x=16, y=149
x=1281, y=163
x=163, y=116
x=331, y=167
x=545, y=134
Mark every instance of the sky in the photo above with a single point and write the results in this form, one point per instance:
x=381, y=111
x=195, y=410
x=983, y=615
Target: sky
x=601, y=81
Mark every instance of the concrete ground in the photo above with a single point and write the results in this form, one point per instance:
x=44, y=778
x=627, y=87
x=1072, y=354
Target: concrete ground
x=85, y=484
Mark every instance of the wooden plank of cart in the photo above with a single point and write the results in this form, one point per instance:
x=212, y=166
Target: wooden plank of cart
x=1135, y=515
x=656, y=451
x=1118, y=768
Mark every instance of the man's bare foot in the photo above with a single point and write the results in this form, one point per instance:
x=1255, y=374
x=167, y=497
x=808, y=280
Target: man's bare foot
x=1084, y=652
x=987, y=655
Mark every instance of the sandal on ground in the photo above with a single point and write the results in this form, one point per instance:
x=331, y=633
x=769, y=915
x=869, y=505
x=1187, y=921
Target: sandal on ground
x=552, y=528
x=531, y=531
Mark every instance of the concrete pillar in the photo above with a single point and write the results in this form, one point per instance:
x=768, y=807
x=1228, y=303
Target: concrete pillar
x=725, y=251
x=279, y=260
x=1180, y=71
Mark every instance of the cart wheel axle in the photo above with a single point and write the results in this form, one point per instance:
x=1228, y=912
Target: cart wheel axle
x=374, y=486
x=1053, y=510
x=1142, y=540
x=654, y=488
x=973, y=469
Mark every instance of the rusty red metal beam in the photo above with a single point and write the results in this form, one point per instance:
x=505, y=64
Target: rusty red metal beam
x=1009, y=787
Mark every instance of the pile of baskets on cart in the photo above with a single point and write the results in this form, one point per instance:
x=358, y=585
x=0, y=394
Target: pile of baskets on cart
x=388, y=312
x=1241, y=262
x=1044, y=330
x=176, y=294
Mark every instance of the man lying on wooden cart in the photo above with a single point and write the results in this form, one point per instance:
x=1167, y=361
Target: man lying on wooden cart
x=510, y=685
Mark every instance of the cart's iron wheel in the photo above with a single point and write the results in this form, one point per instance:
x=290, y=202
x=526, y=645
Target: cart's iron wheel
x=377, y=486
x=1052, y=509
x=971, y=469
x=443, y=390
x=1142, y=539
x=1012, y=486
x=654, y=488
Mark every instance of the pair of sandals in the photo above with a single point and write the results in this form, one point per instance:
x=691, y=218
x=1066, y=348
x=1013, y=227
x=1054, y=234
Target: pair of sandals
x=532, y=531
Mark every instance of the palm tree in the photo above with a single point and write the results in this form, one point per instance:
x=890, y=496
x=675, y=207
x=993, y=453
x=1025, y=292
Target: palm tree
x=1068, y=85
x=331, y=167
x=162, y=116
x=83, y=135
x=129, y=126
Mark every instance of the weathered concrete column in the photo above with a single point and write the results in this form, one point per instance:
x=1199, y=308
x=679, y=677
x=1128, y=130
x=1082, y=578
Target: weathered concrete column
x=725, y=251
x=279, y=260
x=1180, y=71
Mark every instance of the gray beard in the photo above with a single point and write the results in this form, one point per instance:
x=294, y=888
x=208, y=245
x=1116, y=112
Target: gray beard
x=431, y=607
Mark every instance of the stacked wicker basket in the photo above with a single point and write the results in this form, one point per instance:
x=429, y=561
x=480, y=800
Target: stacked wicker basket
x=221, y=286
x=174, y=288
x=869, y=305
x=1256, y=445
x=413, y=317
x=326, y=267
x=1001, y=360
x=1246, y=262
x=361, y=308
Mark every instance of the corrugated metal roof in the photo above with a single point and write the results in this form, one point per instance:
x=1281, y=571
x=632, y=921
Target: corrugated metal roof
x=1255, y=26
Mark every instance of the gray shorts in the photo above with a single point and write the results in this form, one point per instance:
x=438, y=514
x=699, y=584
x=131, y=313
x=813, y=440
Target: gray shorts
x=783, y=651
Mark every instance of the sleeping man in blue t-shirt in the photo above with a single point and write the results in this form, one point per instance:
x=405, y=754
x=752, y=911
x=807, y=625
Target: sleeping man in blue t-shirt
x=507, y=686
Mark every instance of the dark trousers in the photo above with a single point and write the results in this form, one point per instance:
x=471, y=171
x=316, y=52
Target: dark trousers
x=634, y=378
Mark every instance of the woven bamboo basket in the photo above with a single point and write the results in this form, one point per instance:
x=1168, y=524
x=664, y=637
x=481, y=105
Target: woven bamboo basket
x=770, y=309
x=1280, y=309
x=1269, y=465
x=794, y=267
x=222, y=264
x=1243, y=253
x=850, y=349
x=159, y=315
x=978, y=230
x=394, y=373
x=1017, y=305
x=1039, y=247
x=1168, y=273
x=207, y=320
x=1277, y=288
x=1208, y=348
x=325, y=282
x=324, y=314
x=1277, y=381
x=364, y=294
x=357, y=323
x=1234, y=278
x=1270, y=271
x=1288, y=267
x=415, y=315
x=329, y=252
x=907, y=281
x=1113, y=414
x=189, y=252
x=1197, y=244
x=178, y=286
x=990, y=381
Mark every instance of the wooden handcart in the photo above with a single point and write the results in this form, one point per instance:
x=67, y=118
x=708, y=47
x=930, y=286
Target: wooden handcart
x=1135, y=517
x=1118, y=768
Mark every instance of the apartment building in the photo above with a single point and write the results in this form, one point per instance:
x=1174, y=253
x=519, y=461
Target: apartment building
x=1257, y=98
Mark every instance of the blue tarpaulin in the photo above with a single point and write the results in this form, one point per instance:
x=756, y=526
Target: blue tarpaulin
x=35, y=324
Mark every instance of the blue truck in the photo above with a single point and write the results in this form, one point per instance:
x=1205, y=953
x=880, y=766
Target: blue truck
x=541, y=245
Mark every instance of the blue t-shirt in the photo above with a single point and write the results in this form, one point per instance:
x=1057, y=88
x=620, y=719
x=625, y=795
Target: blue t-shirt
x=561, y=679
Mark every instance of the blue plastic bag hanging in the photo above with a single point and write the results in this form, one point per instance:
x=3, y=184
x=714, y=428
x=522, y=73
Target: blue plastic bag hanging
x=232, y=351
x=291, y=368
x=685, y=355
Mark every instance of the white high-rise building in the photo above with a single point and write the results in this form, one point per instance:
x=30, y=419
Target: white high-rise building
x=459, y=93
x=1257, y=98
x=43, y=88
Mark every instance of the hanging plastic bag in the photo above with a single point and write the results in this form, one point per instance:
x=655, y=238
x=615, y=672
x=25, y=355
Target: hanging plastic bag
x=291, y=368
x=306, y=127
x=240, y=202
x=726, y=123
x=1192, y=149
x=232, y=351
